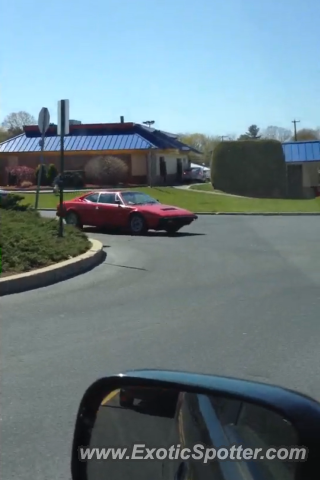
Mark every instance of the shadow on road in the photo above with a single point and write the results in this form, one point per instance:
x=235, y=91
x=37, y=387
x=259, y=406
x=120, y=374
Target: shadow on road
x=148, y=234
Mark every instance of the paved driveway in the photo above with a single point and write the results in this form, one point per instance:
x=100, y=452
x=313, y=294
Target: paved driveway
x=229, y=295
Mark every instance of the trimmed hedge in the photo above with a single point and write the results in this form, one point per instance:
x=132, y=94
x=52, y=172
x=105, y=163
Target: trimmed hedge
x=253, y=168
x=28, y=241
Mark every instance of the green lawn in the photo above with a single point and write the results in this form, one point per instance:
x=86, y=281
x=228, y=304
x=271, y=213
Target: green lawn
x=28, y=242
x=202, y=202
x=204, y=186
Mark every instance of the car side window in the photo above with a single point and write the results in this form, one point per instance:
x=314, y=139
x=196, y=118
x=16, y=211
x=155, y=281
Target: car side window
x=93, y=198
x=107, y=198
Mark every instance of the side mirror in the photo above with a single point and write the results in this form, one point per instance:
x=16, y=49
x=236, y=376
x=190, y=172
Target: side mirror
x=194, y=426
x=118, y=202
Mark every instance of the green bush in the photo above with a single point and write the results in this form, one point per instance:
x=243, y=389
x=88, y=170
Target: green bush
x=73, y=180
x=251, y=168
x=29, y=241
x=52, y=173
x=44, y=175
x=12, y=202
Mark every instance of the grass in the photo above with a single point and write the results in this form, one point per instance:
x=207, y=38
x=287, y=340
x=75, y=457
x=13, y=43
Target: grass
x=203, y=202
x=28, y=241
x=207, y=187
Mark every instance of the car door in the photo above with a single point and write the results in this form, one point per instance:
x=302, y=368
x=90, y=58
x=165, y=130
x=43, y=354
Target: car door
x=107, y=210
x=87, y=209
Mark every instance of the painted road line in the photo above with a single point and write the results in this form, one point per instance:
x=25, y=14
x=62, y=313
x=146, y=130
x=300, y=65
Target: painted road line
x=109, y=397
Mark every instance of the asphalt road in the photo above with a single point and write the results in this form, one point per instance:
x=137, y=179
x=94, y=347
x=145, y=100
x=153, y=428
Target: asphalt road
x=237, y=296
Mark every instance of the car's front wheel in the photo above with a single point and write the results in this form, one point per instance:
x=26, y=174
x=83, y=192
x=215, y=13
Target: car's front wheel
x=72, y=218
x=137, y=224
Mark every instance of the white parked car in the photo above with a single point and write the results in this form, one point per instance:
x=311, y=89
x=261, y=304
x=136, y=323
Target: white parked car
x=196, y=174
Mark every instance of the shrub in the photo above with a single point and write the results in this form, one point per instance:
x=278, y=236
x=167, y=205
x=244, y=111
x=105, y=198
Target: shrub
x=29, y=241
x=51, y=173
x=26, y=184
x=250, y=168
x=106, y=170
x=44, y=176
x=73, y=180
x=20, y=174
x=12, y=202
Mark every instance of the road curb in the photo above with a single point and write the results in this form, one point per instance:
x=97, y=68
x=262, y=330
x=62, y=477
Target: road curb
x=54, y=273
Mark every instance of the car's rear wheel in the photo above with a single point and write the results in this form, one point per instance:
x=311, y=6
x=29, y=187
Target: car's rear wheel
x=72, y=218
x=172, y=229
x=137, y=224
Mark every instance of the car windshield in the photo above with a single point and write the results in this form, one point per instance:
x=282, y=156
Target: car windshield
x=138, y=198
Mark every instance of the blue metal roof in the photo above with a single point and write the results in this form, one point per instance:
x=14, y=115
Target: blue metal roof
x=296, y=152
x=164, y=140
x=95, y=138
x=23, y=143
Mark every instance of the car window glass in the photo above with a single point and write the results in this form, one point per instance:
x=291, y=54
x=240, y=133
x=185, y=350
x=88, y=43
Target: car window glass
x=107, y=198
x=92, y=198
x=257, y=427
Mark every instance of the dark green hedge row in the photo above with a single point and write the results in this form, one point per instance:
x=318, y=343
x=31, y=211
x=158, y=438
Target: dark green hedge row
x=251, y=168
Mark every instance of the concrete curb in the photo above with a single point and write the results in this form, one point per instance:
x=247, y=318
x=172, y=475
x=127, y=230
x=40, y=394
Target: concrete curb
x=54, y=273
x=263, y=214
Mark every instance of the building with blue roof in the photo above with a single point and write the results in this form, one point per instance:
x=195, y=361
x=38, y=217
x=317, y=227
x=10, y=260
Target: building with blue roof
x=303, y=166
x=141, y=147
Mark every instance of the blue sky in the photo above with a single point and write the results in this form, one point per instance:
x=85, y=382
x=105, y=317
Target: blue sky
x=210, y=66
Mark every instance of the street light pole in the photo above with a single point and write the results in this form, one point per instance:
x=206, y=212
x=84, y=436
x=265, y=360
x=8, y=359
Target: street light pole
x=149, y=123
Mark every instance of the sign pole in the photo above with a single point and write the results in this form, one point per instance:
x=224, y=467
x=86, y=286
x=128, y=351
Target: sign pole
x=62, y=133
x=43, y=124
x=41, y=143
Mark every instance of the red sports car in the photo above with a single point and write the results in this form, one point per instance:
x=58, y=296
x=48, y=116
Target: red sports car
x=135, y=211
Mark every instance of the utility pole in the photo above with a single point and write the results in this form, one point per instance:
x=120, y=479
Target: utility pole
x=295, y=129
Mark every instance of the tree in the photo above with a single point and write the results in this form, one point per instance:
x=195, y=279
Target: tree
x=251, y=134
x=4, y=135
x=307, y=134
x=204, y=143
x=277, y=133
x=106, y=170
x=14, y=122
x=231, y=137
